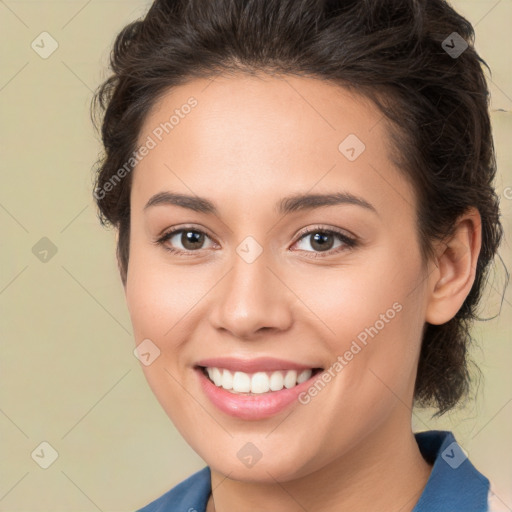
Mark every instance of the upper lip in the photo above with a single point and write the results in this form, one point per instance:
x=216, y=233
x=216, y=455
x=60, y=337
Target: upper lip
x=259, y=364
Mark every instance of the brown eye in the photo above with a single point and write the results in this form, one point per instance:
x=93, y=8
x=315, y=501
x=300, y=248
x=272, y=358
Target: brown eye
x=184, y=240
x=192, y=239
x=323, y=241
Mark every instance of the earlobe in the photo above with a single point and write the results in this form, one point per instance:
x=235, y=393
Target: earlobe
x=457, y=256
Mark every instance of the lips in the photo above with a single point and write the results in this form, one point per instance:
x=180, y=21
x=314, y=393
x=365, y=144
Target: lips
x=261, y=364
x=256, y=388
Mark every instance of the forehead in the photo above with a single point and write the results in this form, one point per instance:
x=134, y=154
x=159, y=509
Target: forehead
x=256, y=134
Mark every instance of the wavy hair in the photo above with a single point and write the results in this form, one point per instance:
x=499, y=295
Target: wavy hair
x=436, y=106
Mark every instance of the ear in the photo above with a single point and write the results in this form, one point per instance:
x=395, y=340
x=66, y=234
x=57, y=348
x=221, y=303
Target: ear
x=455, y=267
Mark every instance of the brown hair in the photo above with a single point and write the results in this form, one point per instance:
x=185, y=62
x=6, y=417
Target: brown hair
x=390, y=51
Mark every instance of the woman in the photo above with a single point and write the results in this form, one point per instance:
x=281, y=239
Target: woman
x=305, y=214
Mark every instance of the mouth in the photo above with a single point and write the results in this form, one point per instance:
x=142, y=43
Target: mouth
x=254, y=389
x=257, y=383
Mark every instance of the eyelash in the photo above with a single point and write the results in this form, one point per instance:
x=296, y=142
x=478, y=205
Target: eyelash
x=348, y=242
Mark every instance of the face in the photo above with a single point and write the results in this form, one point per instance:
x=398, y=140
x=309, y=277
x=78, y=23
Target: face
x=312, y=309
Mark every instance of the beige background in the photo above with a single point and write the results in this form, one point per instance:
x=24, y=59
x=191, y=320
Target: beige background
x=68, y=373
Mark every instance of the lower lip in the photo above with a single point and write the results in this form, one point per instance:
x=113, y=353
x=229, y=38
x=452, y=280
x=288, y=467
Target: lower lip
x=252, y=407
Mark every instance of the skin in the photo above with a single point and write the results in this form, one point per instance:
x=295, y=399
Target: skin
x=248, y=143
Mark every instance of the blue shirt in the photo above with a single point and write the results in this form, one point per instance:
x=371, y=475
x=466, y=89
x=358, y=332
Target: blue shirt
x=454, y=484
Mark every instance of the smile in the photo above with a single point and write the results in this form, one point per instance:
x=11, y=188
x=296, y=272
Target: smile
x=253, y=389
x=259, y=382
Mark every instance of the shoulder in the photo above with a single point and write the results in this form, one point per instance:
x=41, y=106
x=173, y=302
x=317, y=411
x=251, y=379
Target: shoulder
x=191, y=495
x=454, y=483
x=496, y=504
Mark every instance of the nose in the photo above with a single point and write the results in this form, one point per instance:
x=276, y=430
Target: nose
x=252, y=300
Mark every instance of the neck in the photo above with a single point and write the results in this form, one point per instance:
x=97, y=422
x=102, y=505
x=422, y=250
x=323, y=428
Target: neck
x=385, y=471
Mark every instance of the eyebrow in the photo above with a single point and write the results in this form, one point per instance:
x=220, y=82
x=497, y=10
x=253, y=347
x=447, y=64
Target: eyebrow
x=293, y=203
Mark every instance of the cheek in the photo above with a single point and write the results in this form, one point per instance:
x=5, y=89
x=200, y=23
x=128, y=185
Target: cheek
x=375, y=315
x=351, y=299
x=161, y=303
x=159, y=296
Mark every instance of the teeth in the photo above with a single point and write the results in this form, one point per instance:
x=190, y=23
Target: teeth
x=290, y=379
x=303, y=376
x=227, y=379
x=241, y=382
x=259, y=382
x=276, y=381
x=217, y=377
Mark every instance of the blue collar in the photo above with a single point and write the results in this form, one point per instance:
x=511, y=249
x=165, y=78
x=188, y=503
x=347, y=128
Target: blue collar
x=454, y=483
